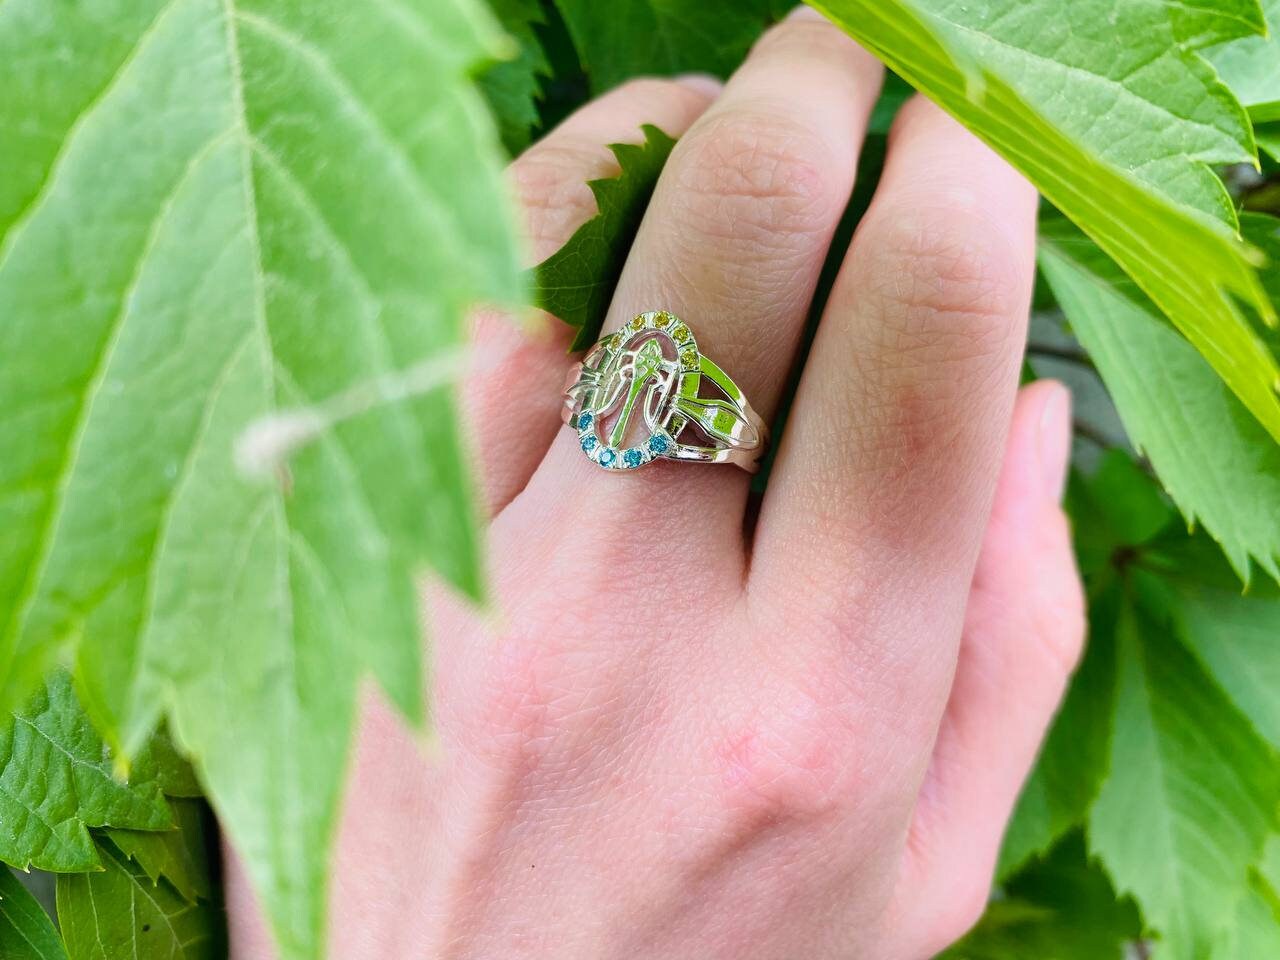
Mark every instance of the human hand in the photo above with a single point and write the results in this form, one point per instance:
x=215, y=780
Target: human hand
x=680, y=734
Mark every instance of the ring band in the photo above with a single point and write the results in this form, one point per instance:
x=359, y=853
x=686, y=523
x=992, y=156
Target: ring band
x=635, y=398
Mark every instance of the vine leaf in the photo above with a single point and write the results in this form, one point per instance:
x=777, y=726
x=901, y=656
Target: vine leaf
x=56, y=781
x=229, y=209
x=26, y=932
x=1184, y=762
x=1108, y=109
x=512, y=87
x=179, y=856
x=119, y=912
x=1251, y=67
x=577, y=282
x=1215, y=460
x=629, y=38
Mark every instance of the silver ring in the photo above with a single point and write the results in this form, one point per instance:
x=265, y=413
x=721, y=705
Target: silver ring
x=637, y=397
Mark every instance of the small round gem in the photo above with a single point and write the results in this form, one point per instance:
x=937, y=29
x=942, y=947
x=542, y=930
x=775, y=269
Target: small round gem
x=662, y=319
x=589, y=443
x=680, y=331
x=637, y=322
x=607, y=456
x=658, y=444
x=633, y=457
x=584, y=421
x=690, y=357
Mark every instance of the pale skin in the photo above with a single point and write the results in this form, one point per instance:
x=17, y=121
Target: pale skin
x=686, y=736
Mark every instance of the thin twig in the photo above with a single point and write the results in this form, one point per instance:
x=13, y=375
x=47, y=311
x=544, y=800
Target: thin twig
x=1094, y=435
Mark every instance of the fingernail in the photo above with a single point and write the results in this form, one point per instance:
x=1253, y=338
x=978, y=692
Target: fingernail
x=1054, y=441
x=702, y=82
x=803, y=12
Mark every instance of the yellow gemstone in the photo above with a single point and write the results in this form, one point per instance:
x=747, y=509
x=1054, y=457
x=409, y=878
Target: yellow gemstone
x=662, y=319
x=690, y=357
x=637, y=323
x=680, y=331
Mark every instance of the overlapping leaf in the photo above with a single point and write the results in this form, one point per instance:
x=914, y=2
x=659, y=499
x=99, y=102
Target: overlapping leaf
x=512, y=87
x=577, y=282
x=56, y=781
x=1250, y=66
x=1217, y=463
x=226, y=211
x=1107, y=109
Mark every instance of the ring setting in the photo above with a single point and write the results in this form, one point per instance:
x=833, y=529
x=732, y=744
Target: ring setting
x=647, y=393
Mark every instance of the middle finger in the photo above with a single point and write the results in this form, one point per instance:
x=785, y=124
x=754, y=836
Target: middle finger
x=733, y=243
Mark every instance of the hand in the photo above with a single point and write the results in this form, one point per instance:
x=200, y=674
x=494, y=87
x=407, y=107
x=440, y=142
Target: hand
x=682, y=735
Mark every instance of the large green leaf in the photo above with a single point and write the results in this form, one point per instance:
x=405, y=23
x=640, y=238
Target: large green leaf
x=120, y=913
x=56, y=781
x=1255, y=932
x=577, y=282
x=231, y=213
x=1192, y=790
x=628, y=38
x=1106, y=108
x=26, y=932
x=1251, y=67
x=1217, y=463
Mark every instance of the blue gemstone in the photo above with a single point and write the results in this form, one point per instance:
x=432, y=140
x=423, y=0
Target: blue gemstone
x=589, y=443
x=658, y=444
x=607, y=456
x=633, y=457
x=584, y=421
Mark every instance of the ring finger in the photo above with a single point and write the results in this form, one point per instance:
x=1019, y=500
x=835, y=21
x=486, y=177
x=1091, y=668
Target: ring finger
x=733, y=243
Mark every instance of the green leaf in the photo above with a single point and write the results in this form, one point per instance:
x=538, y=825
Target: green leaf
x=1192, y=790
x=1073, y=761
x=629, y=38
x=1268, y=136
x=1251, y=67
x=1237, y=637
x=1110, y=113
x=1215, y=460
x=119, y=913
x=56, y=781
x=26, y=932
x=1060, y=907
x=241, y=224
x=577, y=282
x=512, y=87
x=180, y=856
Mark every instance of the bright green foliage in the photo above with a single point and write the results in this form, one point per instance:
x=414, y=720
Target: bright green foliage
x=1060, y=907
x=1214, y=459
x=512, y=87
x=629, y=38
x=120, y=913
x=1192, y=790
x=1268, y=136
x=1125, y=156
x=235, y=209
x=1256, y=930
x=577, y=282
x=180, y=855
x=56, y=781
x=26, y=932
x=1251, y=67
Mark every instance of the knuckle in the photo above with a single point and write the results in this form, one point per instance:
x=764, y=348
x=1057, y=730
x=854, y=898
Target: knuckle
x=945, y=283
x=788, y=760
x=757, y=177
